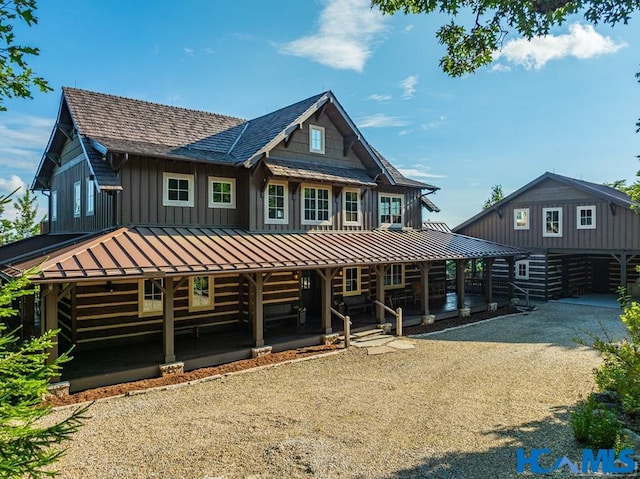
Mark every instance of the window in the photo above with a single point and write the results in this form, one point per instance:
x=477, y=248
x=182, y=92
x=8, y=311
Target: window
x=77, y=199
x=54, y=205
x=391, y=210
x=521, y=219
x=222, y=192
x=351, y=281
x=91, y=197
x=149, y=297
x=177, y=189
x=200, y=293
x=316, y=207
x=394, y=276
x=522, y=269
x=276, y=210
x=351, y=207
x=316, y=139
x=552, y=222
x=586, y=216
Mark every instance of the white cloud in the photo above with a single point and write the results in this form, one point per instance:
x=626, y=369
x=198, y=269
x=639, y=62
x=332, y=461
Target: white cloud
x=404, y=132
x=347, y=31
x=7, y=186
x=581, y=42
x=409, y=86
x=208, y=50
x=23, y=139
x=379, y=97
x=380, y=120
x=434, y=123
x=188, y=51
x=499, y=67
x=419, y=171
x=408, y=28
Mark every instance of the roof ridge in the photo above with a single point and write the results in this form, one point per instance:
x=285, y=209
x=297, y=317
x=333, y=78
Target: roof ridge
x=317, y=96
x=147, y=102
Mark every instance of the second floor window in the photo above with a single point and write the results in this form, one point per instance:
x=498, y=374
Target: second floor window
x=222, y=192
x=521, y=219
x=77, y=199
x=54, y=205
x=552, y=222
x=586, y=216
x=177, y=189
x=276, y=210
x=391, y=210
x=316, y=139
x=351, y=207
x=316, y=207
x=91, y=197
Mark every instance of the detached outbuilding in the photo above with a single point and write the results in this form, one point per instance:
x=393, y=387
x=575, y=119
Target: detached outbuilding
x=584, y=237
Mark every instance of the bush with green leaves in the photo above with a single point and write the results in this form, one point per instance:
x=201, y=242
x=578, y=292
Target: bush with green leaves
x=595, y=425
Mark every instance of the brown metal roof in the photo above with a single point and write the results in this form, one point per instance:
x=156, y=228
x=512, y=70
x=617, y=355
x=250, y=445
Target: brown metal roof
x=155, y=251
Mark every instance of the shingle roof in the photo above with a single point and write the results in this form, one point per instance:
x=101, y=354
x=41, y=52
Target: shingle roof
x=401, y=180
x=137, y=251
x=318, y=172
x=105, y=176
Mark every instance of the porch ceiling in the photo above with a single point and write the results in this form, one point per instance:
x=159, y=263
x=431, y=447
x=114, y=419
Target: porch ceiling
x=140, y=251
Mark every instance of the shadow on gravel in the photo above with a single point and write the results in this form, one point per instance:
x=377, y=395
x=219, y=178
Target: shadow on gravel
x=554, y=433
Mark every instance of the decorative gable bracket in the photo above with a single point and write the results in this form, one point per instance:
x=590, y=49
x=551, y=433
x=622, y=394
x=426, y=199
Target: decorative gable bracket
x=349, y=141
x=67, y=130
x=53, y=157
x=288, y=133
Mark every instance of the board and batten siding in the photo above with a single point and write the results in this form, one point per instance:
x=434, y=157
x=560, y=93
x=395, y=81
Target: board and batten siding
x=141, y=198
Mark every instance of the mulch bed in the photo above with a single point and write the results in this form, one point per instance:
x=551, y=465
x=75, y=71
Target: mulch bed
x=274, y=358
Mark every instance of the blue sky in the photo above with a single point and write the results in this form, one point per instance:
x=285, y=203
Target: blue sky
x=565, y=103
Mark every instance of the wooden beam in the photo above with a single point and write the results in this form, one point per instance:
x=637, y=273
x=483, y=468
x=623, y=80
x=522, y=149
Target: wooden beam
x=348, y=143
x=168, y=327
x=379, y=271
x=55, y=158
x=488, y=279
x=511, y=274
x=258, y=312
x=612, y=207
x=326, y=296
x=64, y=291
x=288, y=133
x=66, y=130
x=320, y=110
x=460, y=282
x=51, y=319
x=424, y=279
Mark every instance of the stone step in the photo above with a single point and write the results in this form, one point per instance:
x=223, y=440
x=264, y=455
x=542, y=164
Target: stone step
x=373, y=341
x=368, y=332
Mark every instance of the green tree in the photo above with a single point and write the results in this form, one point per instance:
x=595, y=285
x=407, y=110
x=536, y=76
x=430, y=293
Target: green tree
x=25, y=223
x=16, y=78
x=496, y=195
x=471, y=44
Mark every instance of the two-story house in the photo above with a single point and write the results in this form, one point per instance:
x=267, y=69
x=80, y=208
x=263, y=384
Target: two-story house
x=583, y=237
x=164, y=220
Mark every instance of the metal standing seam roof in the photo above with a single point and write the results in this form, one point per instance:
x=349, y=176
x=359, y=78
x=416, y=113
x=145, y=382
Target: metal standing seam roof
x=147, y=251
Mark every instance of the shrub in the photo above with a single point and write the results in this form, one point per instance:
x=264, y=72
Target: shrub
x=595, y=426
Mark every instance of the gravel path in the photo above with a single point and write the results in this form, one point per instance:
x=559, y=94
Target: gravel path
x=458, y=405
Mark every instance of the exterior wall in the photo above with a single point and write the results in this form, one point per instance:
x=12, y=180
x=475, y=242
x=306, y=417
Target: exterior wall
x=141, y=198
x=412, y=205
x=75, y=168
x=535, y=285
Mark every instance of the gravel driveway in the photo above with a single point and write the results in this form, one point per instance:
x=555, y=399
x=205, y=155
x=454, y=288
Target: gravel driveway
x=458, y=405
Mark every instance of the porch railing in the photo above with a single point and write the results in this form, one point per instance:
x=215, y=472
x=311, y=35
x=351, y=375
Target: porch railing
x=397, y=313
x=347, y=326
x=523, y=291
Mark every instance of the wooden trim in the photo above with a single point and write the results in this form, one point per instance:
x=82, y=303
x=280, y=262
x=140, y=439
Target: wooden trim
x=155, y=312
x=211, y=295
x=344, y=281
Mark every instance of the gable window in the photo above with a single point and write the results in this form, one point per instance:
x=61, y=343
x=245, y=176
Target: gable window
x=316, y=207
x=91, y=197
x=351, y=207
x=521, y=219
x=200, y=293
x=177, y=189
x=276, y=210
x=77, y=199
x=552, y=222
x=54, y=205
x=351, y=281
x=222, y=192
x=316, y=139
x=586, y=217
x=391, y=210
x=149, y=297
x=522, y=269
x=394, y=276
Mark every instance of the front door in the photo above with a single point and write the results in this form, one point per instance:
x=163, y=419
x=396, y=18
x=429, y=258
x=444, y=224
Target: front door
x=600, y=275
x=310, y=292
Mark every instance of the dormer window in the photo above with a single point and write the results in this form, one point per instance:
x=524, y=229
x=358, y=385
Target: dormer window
x=177, y=189
x=351, y=207
x=391, y=207
x=276, y=203
x=77, y=199
x=316, y=139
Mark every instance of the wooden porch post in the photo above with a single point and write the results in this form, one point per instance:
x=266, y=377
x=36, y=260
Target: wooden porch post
x=460, y=282
x=511, y=274
x=168, y=329
x=488, y=279
x=326, y=291
x=258, y=320
x=424, y=279
x=379, y=272
x=623, y=270
x=51, y=319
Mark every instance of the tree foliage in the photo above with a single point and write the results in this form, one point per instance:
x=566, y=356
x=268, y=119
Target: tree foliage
x=17, y=79
x=472, y=45
x=25, y=224
x=496, y=195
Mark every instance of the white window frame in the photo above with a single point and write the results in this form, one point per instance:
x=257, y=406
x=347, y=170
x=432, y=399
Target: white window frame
x=211, y=292
x=515, y=219
x=345, y=281
x=54, y=205
x=390, y=274
x=319, y=129
x=579, y=210
x=551, y=234
x=303, y=208
x=91, y=197
x=218, y=204
x=77, y=199
x=392, y=196
x=143, y=309
x=285, y=218
x=517, y=273
x=166, y=176
x=345, y=221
